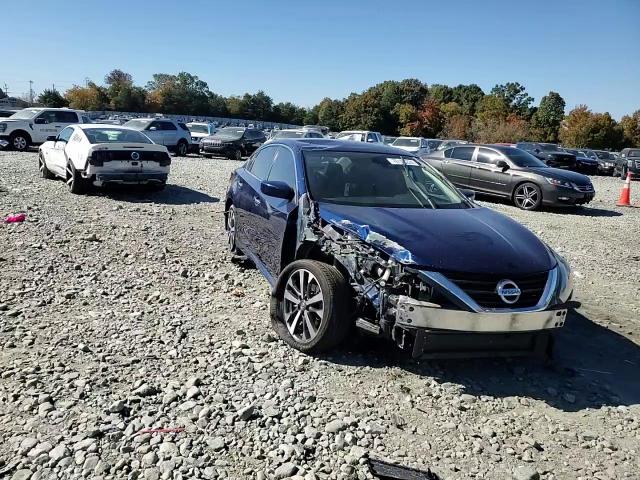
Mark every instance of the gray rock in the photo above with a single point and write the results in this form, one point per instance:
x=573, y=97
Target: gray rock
x=524, y=472
x=117, y=406
x=285, y=470
x=335, y=426
x=59, y=452
x=22, y=474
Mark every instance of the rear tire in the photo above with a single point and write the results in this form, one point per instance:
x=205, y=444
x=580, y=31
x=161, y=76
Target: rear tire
x=527, y=196
x=623, y=173
x=42, y=167
x=75, y=183
x=182, y=148
x=310, y=309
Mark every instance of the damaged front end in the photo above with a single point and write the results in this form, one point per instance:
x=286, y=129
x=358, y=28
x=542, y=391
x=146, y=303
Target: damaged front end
x=426, y=312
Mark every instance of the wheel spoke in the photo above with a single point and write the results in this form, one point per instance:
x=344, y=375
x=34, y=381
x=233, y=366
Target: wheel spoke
x=291, y=326
x=309, y=326
x=315, y=299
x=288, y=295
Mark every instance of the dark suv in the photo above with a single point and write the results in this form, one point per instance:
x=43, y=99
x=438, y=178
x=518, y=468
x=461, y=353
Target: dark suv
x=550, y=154
x=511, y=173
x=362, y=234
x=628, y=162
x=232, y=142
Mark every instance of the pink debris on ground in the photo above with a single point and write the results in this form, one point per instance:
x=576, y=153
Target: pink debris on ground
x=15, y=218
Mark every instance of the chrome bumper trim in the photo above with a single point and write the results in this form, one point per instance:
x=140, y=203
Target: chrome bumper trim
x=413, y=313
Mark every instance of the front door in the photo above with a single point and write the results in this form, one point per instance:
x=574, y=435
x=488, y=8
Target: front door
x=57, y=155
x=486, y=176
x=154, y=132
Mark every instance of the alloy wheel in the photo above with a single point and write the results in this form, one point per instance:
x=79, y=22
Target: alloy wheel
x=527, y=197
x=70, y=177
x=20, y=143
x=303, y=305
x=41, y=166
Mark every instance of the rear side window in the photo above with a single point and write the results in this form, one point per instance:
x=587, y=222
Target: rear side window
x=283, y=169
x=463, y=153
x=65, y=117
x=167, y=126
x=448, y=153
x=262, y=163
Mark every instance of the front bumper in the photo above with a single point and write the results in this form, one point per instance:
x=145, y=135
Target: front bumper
x=413, y=313
x=131, y=178
x=559, y=196
x=219, y=150
x=4, y=141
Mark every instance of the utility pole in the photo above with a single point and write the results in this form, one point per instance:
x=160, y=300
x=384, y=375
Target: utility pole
x=31, y=92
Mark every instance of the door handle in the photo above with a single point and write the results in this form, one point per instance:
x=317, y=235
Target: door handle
x=256, y=201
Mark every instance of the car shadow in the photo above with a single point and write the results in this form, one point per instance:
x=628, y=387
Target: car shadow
x=592, y=367
x=171, y=195
x=584, y=211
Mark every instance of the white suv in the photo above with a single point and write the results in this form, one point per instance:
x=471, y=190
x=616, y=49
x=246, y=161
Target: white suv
x=32, y=126
x=164, y=131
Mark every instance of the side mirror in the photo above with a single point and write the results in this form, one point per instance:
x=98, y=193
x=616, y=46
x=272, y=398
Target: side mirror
x=503, y=165
x=40, y=121
x=153, y=129
x=536, y=150
x=470, y=194
x=52, y=138
x=277, y=189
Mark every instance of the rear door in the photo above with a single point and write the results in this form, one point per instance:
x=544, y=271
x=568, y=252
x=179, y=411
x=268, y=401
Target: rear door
x=457, y=168
x=486, y=176
x=169, y=134
x=250, y=207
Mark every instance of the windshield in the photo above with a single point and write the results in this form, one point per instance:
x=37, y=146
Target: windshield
x=25, y=114
x=521, y=158
x=590, y=154
x=604, y=155
x=433, y=144
x=198, y=128
x=356, y=137
x=406, y=142
x=137, y=124
x=232, y=133
x=548, y=147
x=289, y=134
x=115, y=135
x=633, y=153
x=377, y=180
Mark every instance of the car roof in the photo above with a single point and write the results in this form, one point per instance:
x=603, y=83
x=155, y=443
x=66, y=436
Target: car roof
x=329, y=145
x=84, y=126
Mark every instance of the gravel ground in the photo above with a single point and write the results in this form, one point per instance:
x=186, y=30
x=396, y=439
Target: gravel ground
x=120, y=313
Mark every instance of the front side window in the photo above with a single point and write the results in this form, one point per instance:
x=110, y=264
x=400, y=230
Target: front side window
x=283, y=168
x=167, y=126
x=229, y=133
x=463, y=153
x=261, y=163
x=356, y=137
x=377, y=180
x=487, y=156
x=371, y=137
x=521, y=158
x=65, y=134
x=65, y=117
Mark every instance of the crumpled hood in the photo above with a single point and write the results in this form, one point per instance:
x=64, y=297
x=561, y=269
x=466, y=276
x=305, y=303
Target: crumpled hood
x=474, y=240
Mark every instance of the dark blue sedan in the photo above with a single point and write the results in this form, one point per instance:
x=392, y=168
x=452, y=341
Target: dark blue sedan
x=366, y=235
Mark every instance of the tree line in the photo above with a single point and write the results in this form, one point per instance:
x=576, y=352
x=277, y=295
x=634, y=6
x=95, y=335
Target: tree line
x=408, y=107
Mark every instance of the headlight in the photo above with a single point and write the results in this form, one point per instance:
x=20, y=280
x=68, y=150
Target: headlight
x=558, y=183
x=3, y=127
x=630, y=163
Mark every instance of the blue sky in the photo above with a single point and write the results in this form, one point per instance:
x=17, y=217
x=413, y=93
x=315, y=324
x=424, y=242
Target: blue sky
x=588, y=51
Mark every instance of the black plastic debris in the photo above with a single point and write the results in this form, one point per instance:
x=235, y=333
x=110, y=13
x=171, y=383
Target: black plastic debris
x=389, y=471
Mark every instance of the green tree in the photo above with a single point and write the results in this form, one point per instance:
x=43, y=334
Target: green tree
x=329, y=112
x=548, y=117
x=178, y=94
x=515, y=96
x=467, y=96
x=441, y=93
x=52, y=98
x=492, y=107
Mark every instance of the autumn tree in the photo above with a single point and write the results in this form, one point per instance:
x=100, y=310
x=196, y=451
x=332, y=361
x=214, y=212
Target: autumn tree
x=91, y=97
x=583, y=128
x=630, y=125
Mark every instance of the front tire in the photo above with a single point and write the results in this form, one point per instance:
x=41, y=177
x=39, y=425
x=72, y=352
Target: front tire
x=310, y=311
x=236, y=155
x=230, y=227
x=623, y=173
x=19, y=141
x=75, y=183
x=527, y=196
x=42, y=167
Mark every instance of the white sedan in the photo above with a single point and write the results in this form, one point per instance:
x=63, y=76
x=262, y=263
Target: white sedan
x=95, y=154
